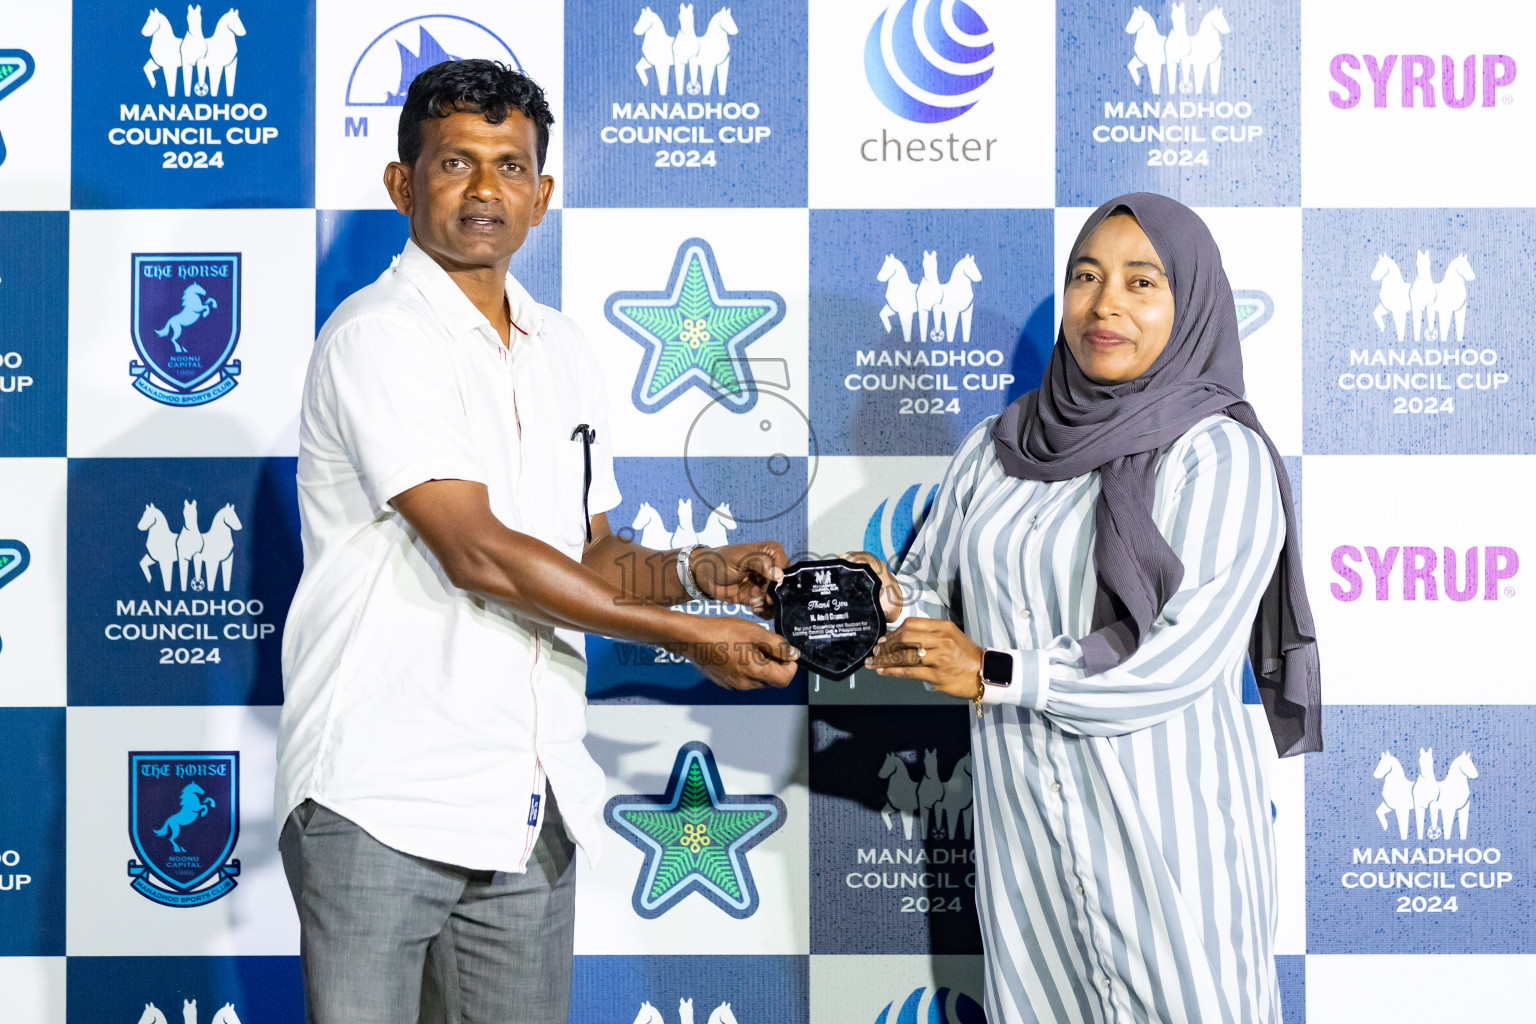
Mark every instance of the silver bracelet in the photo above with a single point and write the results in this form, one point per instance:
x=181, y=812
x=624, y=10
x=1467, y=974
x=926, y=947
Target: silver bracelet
x=685, y=574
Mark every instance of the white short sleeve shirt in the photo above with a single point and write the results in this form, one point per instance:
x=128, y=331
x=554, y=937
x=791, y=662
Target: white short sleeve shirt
x=431, y=717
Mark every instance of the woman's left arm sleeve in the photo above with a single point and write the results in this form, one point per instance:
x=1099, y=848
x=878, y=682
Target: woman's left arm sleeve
x=1221, y=513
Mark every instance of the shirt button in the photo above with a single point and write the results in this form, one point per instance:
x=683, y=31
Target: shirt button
x=1033, y=520
x=1023, y=613
x=1104, y=982
x=1079, y=890
x=1055, y=787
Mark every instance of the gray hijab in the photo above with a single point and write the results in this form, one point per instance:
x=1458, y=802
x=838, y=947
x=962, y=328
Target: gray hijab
x=1072, y=425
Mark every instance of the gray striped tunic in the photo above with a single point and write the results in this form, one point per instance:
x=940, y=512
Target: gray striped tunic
x=1125, y=854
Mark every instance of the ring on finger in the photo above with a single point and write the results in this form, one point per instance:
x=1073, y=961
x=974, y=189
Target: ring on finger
x=921, y=652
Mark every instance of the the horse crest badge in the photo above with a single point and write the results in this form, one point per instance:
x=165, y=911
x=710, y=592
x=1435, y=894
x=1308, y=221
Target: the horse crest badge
x=184, y=821
x=185, y=322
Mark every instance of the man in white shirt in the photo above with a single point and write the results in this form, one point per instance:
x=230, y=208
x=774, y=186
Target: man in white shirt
x=455, y=469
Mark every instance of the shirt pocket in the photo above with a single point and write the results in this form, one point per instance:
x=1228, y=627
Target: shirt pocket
x=567, y=520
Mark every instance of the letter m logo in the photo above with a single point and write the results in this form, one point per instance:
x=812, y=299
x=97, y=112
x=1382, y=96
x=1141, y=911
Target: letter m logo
x=357, y=126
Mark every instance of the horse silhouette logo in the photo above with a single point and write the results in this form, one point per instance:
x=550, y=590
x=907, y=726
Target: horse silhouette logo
x=201, y=560
x=931, y=807
x=948, y=303
x=650, y=1015
x=195, y=305
x=16, y=66
x=194, y=805
x=224, y=1015
x=185, y=323
x=698, y=63
x=205, y=62
x=651, y=530
x=1432, y=306
x=14, y=559
x=183, y=822
x=1191, y=61
x=1435, y=805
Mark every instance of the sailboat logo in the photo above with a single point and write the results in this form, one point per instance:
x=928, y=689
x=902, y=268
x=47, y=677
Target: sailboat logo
x=398, y=54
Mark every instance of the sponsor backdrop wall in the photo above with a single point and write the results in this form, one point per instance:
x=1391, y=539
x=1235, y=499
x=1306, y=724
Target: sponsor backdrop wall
x=812, y=242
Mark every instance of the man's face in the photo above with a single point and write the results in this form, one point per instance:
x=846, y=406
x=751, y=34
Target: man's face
x=475, y=189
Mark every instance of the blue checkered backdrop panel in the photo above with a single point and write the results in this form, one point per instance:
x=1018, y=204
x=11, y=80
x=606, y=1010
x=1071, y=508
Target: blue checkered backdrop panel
x=861, y=207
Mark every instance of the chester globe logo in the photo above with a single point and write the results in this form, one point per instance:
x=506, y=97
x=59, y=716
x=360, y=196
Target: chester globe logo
x=941, y=1005
x=926, y=60
x=695, y=333
x=183, y=821
x=16, y=66
x=14, y=559
x=695, y=837
x=893, y=525
x=185, y=323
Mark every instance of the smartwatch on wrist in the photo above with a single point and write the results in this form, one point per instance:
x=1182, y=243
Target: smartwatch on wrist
x=996, y=668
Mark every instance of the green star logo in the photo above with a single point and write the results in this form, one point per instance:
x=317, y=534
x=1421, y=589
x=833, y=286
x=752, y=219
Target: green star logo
x=14, y=559
x=695, y=838
x=1253, y=311
x=694, y=332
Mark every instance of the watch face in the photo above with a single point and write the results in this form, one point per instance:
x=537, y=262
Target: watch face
x=997, y=667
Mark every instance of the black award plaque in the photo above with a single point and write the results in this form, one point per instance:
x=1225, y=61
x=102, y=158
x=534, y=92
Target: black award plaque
x=829, y=610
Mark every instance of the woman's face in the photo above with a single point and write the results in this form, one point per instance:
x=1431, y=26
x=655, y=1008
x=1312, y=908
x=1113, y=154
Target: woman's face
x=1118, y=304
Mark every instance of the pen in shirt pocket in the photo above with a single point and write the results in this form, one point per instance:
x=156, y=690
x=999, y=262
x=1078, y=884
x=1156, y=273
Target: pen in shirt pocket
x=588, y=438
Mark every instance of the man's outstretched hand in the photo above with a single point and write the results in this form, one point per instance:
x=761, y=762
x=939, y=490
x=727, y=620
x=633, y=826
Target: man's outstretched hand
x=740, y=573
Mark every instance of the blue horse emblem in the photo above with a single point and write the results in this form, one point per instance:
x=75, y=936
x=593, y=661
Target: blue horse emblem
x=186, y=322
x=184, y=820
x=195, y=305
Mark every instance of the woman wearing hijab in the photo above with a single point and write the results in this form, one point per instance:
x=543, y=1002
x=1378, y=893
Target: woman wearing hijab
x=1096, y=565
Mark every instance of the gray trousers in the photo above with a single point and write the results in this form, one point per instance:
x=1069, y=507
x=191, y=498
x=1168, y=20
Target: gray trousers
x=388, y=938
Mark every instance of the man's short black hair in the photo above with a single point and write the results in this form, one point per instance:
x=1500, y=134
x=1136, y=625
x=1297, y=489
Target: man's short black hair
x=485, y=87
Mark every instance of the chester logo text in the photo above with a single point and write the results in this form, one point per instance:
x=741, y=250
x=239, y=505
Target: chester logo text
x=185, y=323
x=184, y=821
x=695, y=333
x=695, y=837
